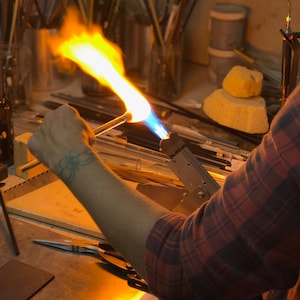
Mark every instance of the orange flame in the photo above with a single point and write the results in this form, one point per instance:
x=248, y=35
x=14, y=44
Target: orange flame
x=101, y=59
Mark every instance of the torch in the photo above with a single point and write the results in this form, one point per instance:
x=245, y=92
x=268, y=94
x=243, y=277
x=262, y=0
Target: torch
x=102, y=59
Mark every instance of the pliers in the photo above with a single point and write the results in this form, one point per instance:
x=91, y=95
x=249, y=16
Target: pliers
x=102, y=250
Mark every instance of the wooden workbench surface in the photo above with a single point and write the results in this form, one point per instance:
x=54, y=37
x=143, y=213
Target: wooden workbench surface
x=77, y=277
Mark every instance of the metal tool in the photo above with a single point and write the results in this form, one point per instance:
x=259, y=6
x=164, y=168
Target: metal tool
x=102, y=250
x=9, y=226
x=290, y=57
x=196, y=179
x=98, y=131
x=290, y=63
x=98, y=250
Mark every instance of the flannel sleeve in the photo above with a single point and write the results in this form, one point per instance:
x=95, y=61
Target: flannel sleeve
x=246, y=239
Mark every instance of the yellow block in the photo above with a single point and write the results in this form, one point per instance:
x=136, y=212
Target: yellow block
x=22, y=155
x=247, y=115
x=242, y=82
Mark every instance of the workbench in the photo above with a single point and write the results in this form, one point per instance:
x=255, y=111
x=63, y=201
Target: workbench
x=77, y=277
x=80, y=276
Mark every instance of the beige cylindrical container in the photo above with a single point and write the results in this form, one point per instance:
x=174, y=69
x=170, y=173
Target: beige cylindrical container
x=220, y=63
x=227, y=26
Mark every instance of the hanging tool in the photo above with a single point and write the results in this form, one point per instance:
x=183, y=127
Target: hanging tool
x=290, y=57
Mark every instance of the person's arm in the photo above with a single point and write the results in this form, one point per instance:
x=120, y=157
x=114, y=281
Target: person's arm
x=125, y=217
x=243, y=241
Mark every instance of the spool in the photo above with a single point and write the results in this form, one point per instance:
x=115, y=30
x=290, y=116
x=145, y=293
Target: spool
x=49, y=72
x=220, y=63
x=227, y=26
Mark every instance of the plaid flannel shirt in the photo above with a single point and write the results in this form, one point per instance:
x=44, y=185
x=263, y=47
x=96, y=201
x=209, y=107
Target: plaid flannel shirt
x=246, y=239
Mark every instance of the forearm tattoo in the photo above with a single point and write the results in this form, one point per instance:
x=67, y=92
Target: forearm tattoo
x=70, y=165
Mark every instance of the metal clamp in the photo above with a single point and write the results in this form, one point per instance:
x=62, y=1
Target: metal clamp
x=196, y=179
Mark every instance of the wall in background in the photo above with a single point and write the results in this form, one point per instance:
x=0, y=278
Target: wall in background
x=265, y=19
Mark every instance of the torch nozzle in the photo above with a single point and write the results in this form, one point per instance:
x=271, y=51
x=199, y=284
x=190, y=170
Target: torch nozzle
x=288, y=17
x=172, y=145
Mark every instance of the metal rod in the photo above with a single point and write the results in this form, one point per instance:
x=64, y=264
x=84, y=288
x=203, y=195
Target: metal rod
x=9, y=226
x=112, y=124
x=98, y=131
